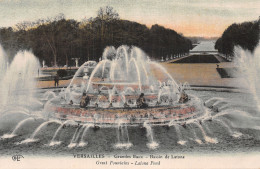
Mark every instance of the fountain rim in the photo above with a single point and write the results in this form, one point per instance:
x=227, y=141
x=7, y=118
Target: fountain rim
x=162, y=114
x=192, y=87
x=115, y=83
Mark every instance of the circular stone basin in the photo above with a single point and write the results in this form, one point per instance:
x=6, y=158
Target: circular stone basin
x=154, y=115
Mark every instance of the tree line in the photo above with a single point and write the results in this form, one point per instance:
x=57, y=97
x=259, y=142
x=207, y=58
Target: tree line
x=245, y=35
x=57, y=40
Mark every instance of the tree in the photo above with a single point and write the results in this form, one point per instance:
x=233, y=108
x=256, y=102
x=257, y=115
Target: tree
x=56, y=40
x=245, y=35
x=107, y=14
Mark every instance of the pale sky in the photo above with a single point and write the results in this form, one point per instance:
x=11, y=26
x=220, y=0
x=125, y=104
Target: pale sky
x=206, y=18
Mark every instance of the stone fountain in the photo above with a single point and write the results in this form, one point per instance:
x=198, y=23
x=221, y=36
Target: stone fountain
x=114, y=85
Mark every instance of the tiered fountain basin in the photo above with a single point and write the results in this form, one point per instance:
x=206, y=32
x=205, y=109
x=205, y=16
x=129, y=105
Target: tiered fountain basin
x=115, y=83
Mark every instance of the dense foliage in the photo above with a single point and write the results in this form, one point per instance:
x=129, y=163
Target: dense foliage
x=58, y=40
x=245, y=35
x=62, y=72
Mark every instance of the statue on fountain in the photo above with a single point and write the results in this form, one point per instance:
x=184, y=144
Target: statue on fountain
x=184, y=97
x=140, y=102
x=84, y=100
x=126, y=105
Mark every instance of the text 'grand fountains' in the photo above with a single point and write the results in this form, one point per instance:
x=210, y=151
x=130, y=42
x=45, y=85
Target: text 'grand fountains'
x=121, y=94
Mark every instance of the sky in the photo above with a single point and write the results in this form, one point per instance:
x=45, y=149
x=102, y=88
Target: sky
x=205, y=18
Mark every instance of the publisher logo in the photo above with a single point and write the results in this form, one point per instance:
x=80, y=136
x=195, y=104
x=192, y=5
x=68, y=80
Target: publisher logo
x=17, y=157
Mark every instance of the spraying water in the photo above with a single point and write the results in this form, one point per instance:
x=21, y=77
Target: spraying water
x=3, y=62
x=21, y=123
x=72, y=143
x=18, y=82
x=196, y=137
x=249, y=65
x=54, y=140
x=37, y=130
x=206, y=137
x=122, y=137
x=230, y=131
x=82, y=142
x=149, y=133
x=74, y=140
x=123, y=68
x=49, y=95
x=180, y=141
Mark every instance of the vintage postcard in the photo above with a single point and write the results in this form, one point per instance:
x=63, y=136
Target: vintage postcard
x=129, y=84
